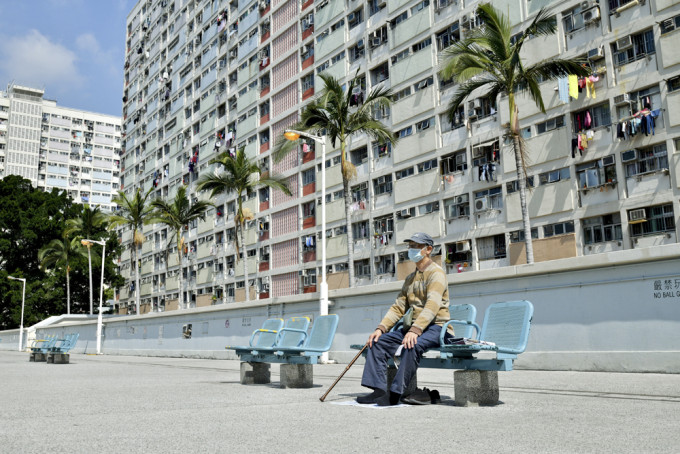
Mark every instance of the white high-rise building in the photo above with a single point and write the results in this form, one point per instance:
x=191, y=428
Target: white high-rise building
x=206, y=75
x=59, y=147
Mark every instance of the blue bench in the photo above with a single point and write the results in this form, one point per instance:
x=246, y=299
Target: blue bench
x=503, y=335
x=59, y=352
x=295, y=349
x=40, y=347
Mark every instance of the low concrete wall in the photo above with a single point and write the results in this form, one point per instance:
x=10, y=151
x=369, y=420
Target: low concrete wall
x=617, y=311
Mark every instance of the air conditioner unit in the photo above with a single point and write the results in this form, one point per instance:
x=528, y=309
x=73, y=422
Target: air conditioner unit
x=460, y=159
x=482, y=204
x=305, y=24
x=465, y=19
x=462, y=246
x=360, y=44
x=405, y=214
x=624, y=43
x=310, y=19
x=351, y=17
x=376, y=259
x=262, y=54
x=478, y=103
x=382, y=3
x=630, y=155
x=263, y=5
x=376, y=41
x=232, y=53
x=596, y=54
x=591, y=15
x=608, y=160
x=381, y=180
x=622, y=99
x=637, y=215
x=585, y=5
x=462, y=198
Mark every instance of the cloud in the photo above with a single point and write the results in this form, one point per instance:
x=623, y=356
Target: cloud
x=34, y=60
x=89, y=46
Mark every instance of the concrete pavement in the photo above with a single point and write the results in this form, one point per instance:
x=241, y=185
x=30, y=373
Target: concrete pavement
x=147, y=404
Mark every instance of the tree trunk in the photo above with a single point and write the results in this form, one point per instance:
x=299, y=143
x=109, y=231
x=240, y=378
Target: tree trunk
x=348, y=218
x=138, y=290
x=522, y=183
x=179, y=261
x=245, y=262
x=68, y=290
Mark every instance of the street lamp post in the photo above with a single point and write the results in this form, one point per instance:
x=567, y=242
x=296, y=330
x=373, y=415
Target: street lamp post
x=23, y=300
x=293, y=135
x=89, y=243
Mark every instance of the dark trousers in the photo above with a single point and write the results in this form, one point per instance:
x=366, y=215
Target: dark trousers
x=375, y=369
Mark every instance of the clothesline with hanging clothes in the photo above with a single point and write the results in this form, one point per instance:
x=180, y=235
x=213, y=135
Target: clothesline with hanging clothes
x=643, y=121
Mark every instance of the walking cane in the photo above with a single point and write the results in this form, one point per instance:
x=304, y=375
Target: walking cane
x=322, y=398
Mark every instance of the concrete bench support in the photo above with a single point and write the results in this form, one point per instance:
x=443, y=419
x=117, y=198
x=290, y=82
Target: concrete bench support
x=410, y=388
x=38, y=357
x=255, y=373
x=476, y=387
x=297, y=375
x=58, y=358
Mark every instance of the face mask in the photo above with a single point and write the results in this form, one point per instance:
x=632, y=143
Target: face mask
x=415, y=255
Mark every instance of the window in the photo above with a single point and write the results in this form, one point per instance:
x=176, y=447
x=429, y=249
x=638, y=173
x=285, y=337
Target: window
x=513, y=186
x=518, y=236
x=489, y=199
x=400, y=56
x=401, y=94
x=308, y=176
x=425, y=124
x=356, y=52
x=553, y=176
x=307, y=82
x=308, y=209
x=355, y=18
x=573, y=19
x=383, y=225
x=380, y=150
x=427, y=165
x=337, y=25
x=359, y=156
x=382, y=185
x=406, y=213
x=561, y=228
x=407, y=131
x=670, y=24
x=674, y=84
x=602, y=228
x=385, y=264
x=549, y=125
x=362, y=268
x=422, y=45
x=448, y=36
x=593, y=117
x=375, y=6
x=427, y=208
x=454, y=162
x=423, y=84
x=485, y=153
x=322, y=67
x=399, y=174
x=614, y=4
x=648, y=160
x=420, y=6
x=482, y=107
x=656, y=219
x=399, y=19
x=596, y=173
x=649, y=98
x=338, y=57
x=359, y=192
x=491, y=247
x=360, y=230
x=458, y=206
x=634, y=47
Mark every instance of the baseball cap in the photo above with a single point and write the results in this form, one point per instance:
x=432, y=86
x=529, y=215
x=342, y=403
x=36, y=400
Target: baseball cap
x=421, y=238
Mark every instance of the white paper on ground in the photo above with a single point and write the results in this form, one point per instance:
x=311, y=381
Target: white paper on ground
x=354, y=403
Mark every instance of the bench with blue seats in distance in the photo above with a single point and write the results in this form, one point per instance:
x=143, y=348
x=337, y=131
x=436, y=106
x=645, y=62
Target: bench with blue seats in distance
x=293, y=347
x=502, y=337
x=40, y=347
x=59, y=352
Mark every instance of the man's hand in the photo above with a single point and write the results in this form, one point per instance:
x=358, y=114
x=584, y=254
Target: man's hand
x=410, y=340
x=374, y=337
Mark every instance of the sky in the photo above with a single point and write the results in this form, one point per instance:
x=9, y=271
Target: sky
x=73, y=49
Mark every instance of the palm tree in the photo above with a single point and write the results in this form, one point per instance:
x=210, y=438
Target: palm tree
x=133, y=212
x=330, y=114
x=88, y=225
x=176, y=214
x=59, y=253
x=241, y=175
x=490, y=57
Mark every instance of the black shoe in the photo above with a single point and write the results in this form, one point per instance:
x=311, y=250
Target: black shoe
x=419, y=397
x=388, y=400
x=372, y=397
x=435, y=398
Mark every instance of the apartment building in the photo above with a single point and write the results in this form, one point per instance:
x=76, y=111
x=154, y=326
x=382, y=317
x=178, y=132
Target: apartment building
x=204, y=77
x=59, y=147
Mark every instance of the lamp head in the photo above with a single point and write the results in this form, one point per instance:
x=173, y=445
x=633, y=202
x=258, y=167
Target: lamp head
x=86, y=243
x=290, y=135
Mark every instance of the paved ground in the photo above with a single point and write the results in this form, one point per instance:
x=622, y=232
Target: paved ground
x=136, y=404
